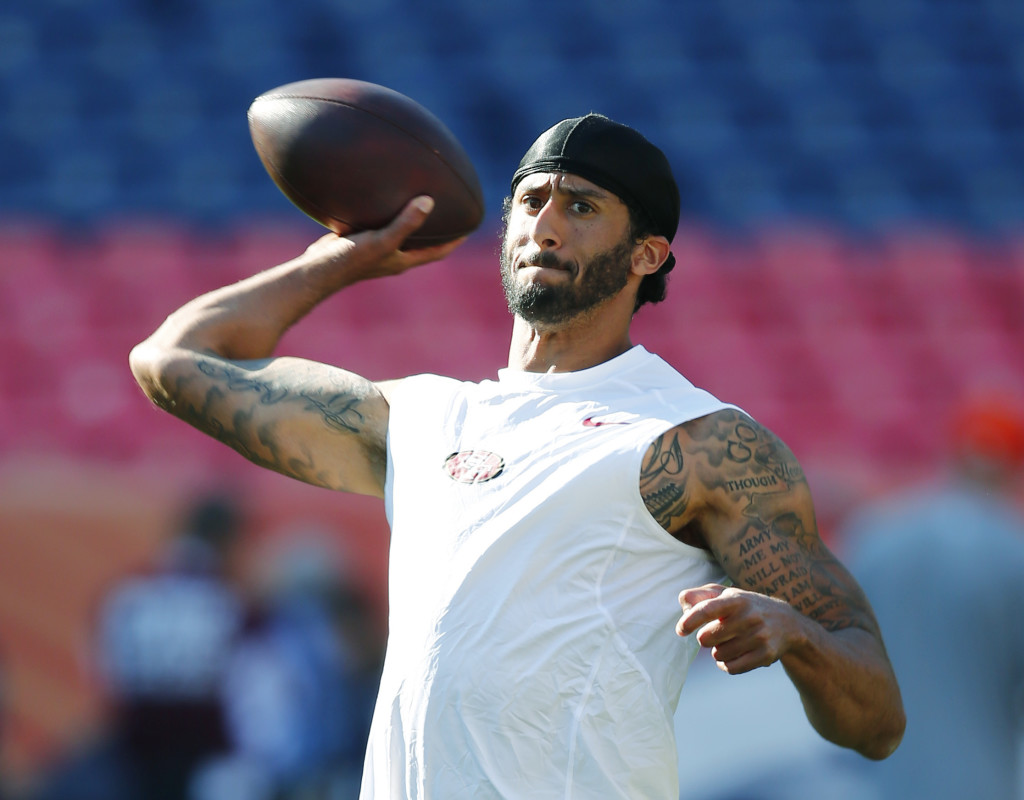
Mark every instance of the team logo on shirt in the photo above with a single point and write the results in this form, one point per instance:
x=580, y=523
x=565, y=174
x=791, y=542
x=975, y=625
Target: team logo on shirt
x=474, y=466
x=590, y=422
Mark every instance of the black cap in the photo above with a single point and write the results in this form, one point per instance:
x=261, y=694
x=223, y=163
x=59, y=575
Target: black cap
x=616, y=158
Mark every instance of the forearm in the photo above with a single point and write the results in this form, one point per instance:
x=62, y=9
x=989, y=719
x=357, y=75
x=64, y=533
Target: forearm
x=242, y=322
x=848, y=689
x=246, y=320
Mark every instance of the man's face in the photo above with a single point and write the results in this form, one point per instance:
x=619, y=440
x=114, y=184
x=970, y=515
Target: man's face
x=566, y=249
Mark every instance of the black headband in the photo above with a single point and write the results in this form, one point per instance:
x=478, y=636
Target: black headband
x=616, y=158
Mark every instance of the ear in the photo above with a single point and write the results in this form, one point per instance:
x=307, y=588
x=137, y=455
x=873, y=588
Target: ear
x=650, y=254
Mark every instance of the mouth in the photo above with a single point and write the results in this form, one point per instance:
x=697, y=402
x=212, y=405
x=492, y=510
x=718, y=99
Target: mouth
x=544, y=261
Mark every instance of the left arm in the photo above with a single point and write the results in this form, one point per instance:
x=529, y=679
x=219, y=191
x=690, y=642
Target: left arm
x=741, y=493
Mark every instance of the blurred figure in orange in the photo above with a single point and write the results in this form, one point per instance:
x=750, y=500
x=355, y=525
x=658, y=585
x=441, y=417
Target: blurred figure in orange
x=163, y=639
x=944, y=568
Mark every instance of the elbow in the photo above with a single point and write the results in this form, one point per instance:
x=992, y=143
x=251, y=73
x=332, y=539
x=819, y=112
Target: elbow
x=872, y=729
x=148, y=367
x=886, y=735
x=141, y=363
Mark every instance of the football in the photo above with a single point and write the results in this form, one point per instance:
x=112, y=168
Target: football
x=351, y=154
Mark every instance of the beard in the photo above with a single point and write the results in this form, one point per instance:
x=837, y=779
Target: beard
x=604, y=276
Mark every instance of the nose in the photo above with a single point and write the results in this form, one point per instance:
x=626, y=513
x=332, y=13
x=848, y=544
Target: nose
x=546, y=228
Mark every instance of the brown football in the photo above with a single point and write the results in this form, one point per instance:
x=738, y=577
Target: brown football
x=351, y=154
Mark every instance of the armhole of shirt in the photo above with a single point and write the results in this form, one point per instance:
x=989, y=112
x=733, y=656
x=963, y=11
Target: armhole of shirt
x=426, y=387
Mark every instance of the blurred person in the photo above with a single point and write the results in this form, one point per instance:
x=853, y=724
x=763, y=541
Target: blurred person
x=162, y=641
x=4, y=695
x=300, y=685
x=944, y=566
x=547, y=527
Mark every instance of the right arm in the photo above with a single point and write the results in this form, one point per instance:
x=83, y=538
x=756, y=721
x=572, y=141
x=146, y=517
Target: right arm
x=210, y=364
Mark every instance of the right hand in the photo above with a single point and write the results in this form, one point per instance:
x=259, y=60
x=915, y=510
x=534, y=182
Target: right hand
x=376, y=253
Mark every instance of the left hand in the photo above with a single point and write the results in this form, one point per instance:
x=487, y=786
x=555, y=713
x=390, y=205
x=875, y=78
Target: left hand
x=745, y=630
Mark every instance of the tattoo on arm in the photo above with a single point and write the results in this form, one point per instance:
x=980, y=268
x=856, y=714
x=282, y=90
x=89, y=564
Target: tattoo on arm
x=663, y=481
x=777, y=552
x=754, y=510
x=340, y=411
x=227, y=411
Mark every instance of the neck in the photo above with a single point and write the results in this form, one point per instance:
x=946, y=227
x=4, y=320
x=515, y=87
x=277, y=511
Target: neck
x=568, y=349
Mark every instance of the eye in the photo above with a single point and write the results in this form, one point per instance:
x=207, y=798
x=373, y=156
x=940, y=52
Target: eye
x=581, y=207
x=531, y=201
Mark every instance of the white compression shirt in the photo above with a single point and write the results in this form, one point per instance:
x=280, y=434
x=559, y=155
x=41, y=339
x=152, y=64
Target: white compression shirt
x=533, y=597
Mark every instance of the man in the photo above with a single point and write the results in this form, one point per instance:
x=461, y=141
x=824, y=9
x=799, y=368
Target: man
x=163, y=640
x=929, y=555
x=546, y=526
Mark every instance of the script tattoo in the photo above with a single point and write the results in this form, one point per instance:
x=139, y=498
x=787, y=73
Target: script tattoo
x=340, y=412
x=750, y=499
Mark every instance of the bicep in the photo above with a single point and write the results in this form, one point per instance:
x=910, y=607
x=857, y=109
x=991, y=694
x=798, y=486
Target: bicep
x=759, y=521
x=769, y=544
x=316, y=423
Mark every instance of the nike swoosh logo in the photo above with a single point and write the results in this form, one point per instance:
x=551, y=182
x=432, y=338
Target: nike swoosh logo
x=590, y=422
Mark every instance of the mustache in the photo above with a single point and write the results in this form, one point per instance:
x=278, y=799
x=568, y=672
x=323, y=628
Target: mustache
x=546, y=259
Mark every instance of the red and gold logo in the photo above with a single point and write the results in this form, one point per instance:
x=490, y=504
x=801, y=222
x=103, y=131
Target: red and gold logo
x=474, y=466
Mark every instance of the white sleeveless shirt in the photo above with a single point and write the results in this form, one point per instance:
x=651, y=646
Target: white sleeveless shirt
x=533, y=598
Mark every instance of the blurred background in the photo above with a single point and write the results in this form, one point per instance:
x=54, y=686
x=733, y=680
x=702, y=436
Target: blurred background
x=851, y=264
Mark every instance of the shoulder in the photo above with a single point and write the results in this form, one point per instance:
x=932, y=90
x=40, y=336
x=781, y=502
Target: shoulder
x=712, y=465
x=426, y=400
x=735, y=448
x=743, y=453
x=423, y=384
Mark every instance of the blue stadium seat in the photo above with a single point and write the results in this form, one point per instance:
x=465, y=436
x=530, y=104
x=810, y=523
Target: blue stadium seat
x=789, y=98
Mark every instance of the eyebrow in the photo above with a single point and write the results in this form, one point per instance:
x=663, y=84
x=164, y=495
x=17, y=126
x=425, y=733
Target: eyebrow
x=585, y=191
x=572, y=190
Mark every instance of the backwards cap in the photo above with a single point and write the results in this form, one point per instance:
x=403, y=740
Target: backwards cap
x=616, y=158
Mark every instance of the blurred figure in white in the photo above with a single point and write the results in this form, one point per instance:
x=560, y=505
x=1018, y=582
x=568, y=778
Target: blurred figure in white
x=300, y=686
x=163, y=640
